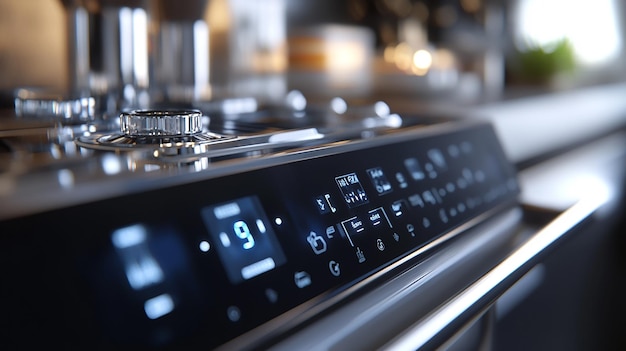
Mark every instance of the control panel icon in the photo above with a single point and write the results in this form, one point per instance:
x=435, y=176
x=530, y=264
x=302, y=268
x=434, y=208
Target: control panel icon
x=378, y=216
x=438, y=158
x=360, y=255
x=272, y=295
x=333, y=266
x=397, y=207
x=416, y=201
x=380, y=245
x=426, y=222
x=443, y=215
x=432, y=173
x=429, y=198
x=352, y=190
x=415, y=170
x=411, y=229
x=233, y=313
x=302, y=279
x=330, y=205
x=324, y=205
x=321, y=205
x=330, y=232
x=318, y=244
x=401, y=180
x=379, y=180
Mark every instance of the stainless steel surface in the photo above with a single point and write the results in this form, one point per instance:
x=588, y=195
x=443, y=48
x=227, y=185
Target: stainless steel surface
x=89, y=161
x=474, y=300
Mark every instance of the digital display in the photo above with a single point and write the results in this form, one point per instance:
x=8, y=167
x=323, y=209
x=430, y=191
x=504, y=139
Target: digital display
x=246, y=243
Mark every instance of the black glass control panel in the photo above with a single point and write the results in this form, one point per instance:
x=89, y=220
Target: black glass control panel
x=200, y=264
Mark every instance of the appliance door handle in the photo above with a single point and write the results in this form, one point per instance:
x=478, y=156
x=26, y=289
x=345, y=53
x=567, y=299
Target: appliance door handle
x=449, y=318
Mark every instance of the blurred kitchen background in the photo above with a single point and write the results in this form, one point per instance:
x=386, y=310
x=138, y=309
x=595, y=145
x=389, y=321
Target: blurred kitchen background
x=456, y=50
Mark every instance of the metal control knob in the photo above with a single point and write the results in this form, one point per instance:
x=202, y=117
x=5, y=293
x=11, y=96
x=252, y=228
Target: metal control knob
x=161, y=122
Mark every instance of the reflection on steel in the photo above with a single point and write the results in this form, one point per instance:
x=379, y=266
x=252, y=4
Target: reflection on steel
x=445, y=321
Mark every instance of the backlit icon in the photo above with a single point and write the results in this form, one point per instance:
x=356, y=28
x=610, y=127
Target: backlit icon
x=233, y=313
x=453, y=212
x=159, y=306
x=352, y=190
x=302, y=279
x=416, y=200
x=429, y=198
x=378, y=216
x=443, y=215
x=461, y=207
x=333, y=266
x=426, y=222
x=379, y=180
x=396, y=237
x=318, y=244
x=453, y=150
x=401, y=180
x=411, y=229
x=321, y=205
x=332, y=209
x=330, y=232
x=431, y=170
x=360, y=255
x=397, y=208
x=375, y=218
x=414, y=169
x=272, y=295
x=380, y=245
x=438, y=158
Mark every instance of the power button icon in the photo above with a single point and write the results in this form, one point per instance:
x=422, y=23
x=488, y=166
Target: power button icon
x=333, y=266
x=318, y=244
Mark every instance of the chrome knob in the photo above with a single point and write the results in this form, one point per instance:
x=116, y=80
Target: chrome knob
x=161, y=122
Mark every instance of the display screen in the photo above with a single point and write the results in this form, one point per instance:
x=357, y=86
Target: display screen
x=246, y=243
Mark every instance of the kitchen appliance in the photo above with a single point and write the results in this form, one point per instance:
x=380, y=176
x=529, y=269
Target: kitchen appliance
x=236, y=225
x=178, y=196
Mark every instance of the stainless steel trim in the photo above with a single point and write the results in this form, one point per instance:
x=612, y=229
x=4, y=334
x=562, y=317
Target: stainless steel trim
x=443, y=322
x=24, y=203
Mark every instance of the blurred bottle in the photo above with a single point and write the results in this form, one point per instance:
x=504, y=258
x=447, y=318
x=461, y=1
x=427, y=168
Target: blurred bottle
x=108, y=58
x=181, y=53
x=248, y=49
x=219, y=49
x=138, y=53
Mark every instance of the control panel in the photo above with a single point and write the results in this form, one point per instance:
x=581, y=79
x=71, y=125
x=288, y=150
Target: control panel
x=202, y=263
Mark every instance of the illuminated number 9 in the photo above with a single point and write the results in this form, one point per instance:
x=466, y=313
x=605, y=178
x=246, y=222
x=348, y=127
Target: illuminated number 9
x=242, y=231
